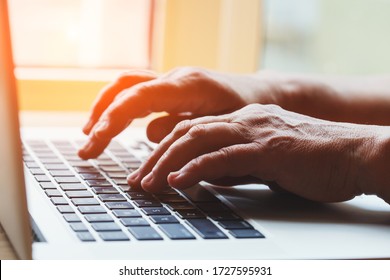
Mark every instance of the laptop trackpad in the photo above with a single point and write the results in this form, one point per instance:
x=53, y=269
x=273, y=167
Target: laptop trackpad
x=258, y=202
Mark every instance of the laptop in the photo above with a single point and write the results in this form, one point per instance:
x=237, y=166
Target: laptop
x=53, y=205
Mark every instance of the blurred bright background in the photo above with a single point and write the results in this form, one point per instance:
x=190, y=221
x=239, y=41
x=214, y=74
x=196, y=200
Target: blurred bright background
x=71, y=48
x=327, y=36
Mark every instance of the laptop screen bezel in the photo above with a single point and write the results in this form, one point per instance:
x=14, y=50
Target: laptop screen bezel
x=14, y=215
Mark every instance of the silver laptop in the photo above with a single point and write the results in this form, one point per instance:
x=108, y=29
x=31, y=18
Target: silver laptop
x=53, y=205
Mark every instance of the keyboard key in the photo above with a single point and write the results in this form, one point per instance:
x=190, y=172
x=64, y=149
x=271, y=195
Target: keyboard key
x=111, y=197
x=120, y=181
x=132, y=165
x=37, y=171
x=85, y=201
x=106, y=162
x=59, y=201
x=208, y=207
x=198, y=193
x=53, y=193
x=71, y=218
x=42, y=178
x=224, y=216
x=176, y=231
x=235, y=225
x=155, y=211
x=32, y=164
x=104, y=190
x=113, y=236
x=93, y=176
x=65, y=209
x=117, y=175
x=129, y=159
x=66, y=180
x=139, y=195
x=147, y=203
x=56, y=167
x=190, y=214
x=98, y=218
x=112, y=168
x=70, y=156
x=78, y=227
x=105, y=227
x=51, y=160
x=134, y=222
x=28, y=159
x=90, y=169
x=61, y=173
x=169, y=198
x=168, y=191
x=125, y=188
x=73, y=187
x=168, y=219
x=79, y=194
x=97, y=183
x=180, y=206
x=126, y=213
x=119, y=205
x=246, y=233
x=85, y=236
x=80, y=163
x=144, y=233
x=206, y=229
x=48, y=186
x=93, y=209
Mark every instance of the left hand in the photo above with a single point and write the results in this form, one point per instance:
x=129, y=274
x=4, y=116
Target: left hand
x=313, y=158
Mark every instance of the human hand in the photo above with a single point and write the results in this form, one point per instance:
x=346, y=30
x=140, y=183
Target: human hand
x=313, y=158
x=190, y=91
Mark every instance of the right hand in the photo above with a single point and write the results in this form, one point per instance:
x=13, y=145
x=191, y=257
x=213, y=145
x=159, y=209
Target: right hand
x=191, y=92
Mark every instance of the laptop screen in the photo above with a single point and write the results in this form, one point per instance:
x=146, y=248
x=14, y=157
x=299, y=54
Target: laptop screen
x=13, y=205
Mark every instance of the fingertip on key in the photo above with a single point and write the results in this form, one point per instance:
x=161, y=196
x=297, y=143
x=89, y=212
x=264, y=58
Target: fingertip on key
x=177, y=179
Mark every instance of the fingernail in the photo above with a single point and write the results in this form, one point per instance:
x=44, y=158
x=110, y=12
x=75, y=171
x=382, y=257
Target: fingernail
x=133, y=176
x=147, y=180
x=84, y=151
x=174, y=175
x=174, y=178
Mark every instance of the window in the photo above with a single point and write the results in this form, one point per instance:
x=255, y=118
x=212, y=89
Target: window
x=81, y=33
x=68, y=49
x=327, y=36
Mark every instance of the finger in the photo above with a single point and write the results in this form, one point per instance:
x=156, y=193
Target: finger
x=199, y=140
x=107, y=128
x=159, y=128
x=108, y=94
x=93, y=148
x=232, y=161
x=159, y=95
x=181, y=129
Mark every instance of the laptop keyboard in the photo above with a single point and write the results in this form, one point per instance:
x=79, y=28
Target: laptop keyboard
x=94, y=199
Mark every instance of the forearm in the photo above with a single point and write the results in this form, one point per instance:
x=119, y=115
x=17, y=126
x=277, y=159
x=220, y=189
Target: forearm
x=348, y=99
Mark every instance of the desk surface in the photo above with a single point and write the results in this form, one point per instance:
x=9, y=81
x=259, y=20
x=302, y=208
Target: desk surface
x=53, y=119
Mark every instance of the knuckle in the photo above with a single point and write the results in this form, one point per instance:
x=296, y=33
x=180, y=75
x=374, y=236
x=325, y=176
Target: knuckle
x=197, y=131
x=187, y=72
x=225, y=154
x=182, y=127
